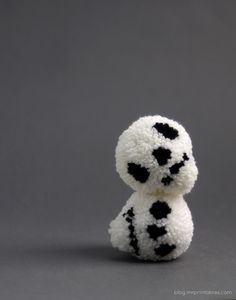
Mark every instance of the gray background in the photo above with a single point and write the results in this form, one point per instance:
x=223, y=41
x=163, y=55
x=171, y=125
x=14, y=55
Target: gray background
x=74, y=75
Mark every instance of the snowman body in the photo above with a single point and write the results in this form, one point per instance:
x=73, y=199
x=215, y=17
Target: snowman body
x=153, y=227
x=154, y=157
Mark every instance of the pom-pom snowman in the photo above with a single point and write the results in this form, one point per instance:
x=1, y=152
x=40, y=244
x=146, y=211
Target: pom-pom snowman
x=154, y=157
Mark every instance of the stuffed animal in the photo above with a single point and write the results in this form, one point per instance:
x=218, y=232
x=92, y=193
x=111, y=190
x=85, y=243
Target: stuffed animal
x=154, y=157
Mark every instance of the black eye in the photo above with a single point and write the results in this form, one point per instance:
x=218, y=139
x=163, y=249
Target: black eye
x=162, y=155
x=168, y=131
x=139, y=173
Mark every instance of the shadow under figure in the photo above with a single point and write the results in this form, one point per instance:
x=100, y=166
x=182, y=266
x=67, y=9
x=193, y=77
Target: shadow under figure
x=61, y=253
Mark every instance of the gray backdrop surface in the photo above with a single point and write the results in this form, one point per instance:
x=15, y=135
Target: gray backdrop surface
x=74, y=75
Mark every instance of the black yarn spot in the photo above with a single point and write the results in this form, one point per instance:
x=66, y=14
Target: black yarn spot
x=155, y=232
x=133, y=239
x=165, y=129
x=160, y=210
x=185, y=156
x=167, y=180
x=131, y=228
x=162, y=155
x=140, y=173
x=164, y=249
x=176, y=167
x=134, y=244
x=130, y=212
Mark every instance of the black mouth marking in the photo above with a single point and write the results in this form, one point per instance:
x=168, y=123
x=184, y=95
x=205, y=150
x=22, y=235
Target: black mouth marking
x=167, y=180
x=174, y=169
x=133, y=239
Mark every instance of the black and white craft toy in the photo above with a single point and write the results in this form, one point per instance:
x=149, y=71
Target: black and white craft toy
x=154, y=157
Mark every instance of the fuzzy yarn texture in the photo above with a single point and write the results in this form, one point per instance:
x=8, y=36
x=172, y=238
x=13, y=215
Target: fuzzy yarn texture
x=154, y=157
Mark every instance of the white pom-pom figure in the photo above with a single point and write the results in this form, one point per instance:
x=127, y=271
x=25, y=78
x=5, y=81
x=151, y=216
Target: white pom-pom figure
x=154, y=157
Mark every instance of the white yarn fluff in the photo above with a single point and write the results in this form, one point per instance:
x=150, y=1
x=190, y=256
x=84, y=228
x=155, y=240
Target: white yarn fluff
x=136, y=146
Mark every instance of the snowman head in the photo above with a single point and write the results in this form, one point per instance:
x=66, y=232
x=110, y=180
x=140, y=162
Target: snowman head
x=154, y=155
